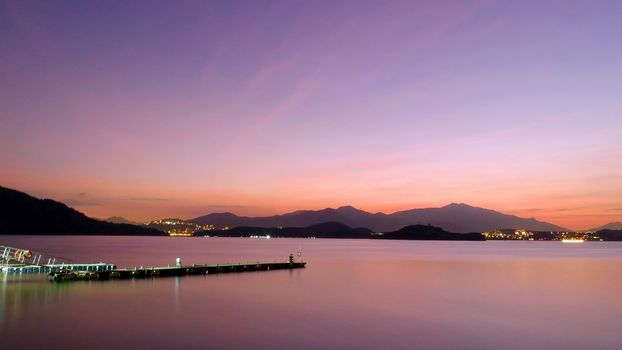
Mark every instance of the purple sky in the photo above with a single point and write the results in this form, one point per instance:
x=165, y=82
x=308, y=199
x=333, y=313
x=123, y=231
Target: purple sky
x=147, y=109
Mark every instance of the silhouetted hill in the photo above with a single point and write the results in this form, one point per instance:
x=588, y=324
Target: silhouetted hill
x=453, y=217
x=610, y=226
x=459, y=217
x=221, y=220
x=610, y=235
x=425, y=232
x=301, y=218
x=323, y=230
x=121, y=220
x=339, y=230
x=23, y=214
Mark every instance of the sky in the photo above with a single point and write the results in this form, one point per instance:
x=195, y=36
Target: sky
x=151, y=109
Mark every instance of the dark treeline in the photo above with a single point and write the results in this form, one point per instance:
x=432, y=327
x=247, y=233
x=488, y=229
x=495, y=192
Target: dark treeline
x=339, y=230
x=610, y=235
x=427, y=232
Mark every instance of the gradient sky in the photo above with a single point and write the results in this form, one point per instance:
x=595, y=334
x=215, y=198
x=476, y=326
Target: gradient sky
x=148, y=109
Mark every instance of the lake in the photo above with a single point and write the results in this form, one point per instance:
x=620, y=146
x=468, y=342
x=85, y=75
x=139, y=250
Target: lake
x=354, y=294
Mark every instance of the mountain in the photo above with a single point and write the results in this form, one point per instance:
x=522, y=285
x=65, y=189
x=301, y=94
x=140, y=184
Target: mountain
x=322, y=230
x=121, y=220
x=453, y=217
x=23, y=214
x=339, y=230
x=459, y=217
x=610, y=235
x=426, y=232
x=610, y=226
x=346, y=215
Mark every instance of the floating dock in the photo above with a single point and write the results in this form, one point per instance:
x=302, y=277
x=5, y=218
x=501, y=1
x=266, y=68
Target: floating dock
x=168, y=271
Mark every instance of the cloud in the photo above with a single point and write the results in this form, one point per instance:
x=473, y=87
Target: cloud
x=304, y=87
x=155, y=199
x=198, y=210
x=553, y=209
x=570, y=209
x=264, y=76
x=533, y=209
x=81, y=200
x=227, y=206
x=72, y=202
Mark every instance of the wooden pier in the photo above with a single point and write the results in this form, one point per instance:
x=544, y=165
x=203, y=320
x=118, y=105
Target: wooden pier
x=170, y=271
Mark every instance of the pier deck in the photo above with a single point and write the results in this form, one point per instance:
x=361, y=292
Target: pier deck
x=28, y=268
x=169, y=271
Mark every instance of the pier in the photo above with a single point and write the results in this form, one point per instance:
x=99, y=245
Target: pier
x=168, y=271
x=21, y=268
x=18, y=260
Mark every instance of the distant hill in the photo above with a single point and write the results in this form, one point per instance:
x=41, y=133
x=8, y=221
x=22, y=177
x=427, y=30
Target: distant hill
x=121, y=220
x=23, y=214
x=453, y=217
x=339, y=230
x=425, y=232
x=323, y=230
x=610, y=226
x=173, y=225
x=346, y=215
x=610, y=235
x=458, y=217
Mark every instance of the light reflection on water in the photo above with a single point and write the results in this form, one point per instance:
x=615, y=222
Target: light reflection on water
x=353, y=294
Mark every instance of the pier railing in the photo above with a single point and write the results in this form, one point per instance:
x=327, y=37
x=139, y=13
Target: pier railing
x=12, y=255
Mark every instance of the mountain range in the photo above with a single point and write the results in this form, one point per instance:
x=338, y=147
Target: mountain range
x=323, y=230
x=21, y=213
x=455, y=217
x=122, y=220
x=339, y=230
x=610, y=226
x=24, y=214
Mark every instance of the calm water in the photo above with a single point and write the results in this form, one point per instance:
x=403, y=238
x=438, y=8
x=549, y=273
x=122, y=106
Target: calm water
x=354, y=294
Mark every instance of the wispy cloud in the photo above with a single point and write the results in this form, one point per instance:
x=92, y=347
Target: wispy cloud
x=76, y=202
x=532, y=209
x=553, y=209
x=264, y=76
x=303, y=88
x=148, y=199
x=227, y=206
x=81, y=199
x=199, y=210
x=569, y=209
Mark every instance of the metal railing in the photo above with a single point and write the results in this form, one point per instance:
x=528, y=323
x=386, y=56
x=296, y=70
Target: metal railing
x=11, y=255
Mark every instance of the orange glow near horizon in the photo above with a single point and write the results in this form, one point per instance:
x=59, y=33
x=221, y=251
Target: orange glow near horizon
x=141, y=203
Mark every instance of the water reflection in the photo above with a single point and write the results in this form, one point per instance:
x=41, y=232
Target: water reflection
x=354, y=294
